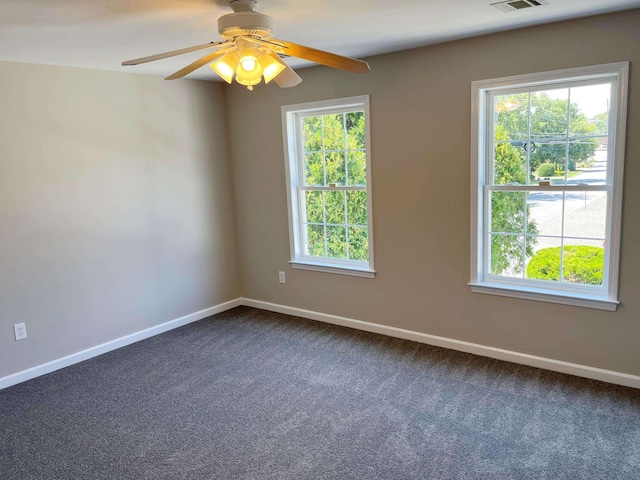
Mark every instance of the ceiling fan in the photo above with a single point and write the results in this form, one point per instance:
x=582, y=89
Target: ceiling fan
x=249, y=52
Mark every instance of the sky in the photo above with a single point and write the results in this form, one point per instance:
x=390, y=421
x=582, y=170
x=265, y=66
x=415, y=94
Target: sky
x=592, y=99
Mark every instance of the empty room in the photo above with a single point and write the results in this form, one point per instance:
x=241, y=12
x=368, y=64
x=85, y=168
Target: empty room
x=319, y=240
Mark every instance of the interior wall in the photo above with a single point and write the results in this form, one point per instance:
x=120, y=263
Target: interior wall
x=420, y=137
x=116, y=211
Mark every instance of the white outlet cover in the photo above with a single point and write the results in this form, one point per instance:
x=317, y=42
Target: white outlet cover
x=20, y=331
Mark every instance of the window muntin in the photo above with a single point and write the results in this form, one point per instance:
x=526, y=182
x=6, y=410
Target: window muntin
x=548, y=183
x=328, y=174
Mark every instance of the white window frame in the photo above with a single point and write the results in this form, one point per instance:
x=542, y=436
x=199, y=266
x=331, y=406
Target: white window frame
x=294, y=168
x=605, y=297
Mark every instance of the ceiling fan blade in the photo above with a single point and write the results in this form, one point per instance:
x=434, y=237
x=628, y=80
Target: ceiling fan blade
x=197, y=64
x=287, y=78
x=173, y=53
x=320, y=56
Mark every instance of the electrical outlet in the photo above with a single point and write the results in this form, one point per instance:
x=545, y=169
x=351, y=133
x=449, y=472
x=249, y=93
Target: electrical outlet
x=20, y=331
x=281, y=277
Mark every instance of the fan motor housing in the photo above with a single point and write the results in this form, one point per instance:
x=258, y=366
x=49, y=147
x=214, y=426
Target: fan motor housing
x=245, y=23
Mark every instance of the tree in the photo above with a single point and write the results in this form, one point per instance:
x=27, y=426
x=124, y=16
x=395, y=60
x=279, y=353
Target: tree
x=548, y=128
x=601, y=123
x=508, y=209
x=334, y=152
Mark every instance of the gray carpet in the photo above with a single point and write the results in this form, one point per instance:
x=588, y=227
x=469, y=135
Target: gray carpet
x=249, y=394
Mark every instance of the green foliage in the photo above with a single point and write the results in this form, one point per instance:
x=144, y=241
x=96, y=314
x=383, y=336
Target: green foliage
x=508, y=209
x=548, y=127
x=546, y=170
x=555, y=168
x=334, y=153
x=334, y=149
x=357, y=207
x=509, y=163
x=315, y=240
x=601, y=123
x=581, y=264
x=336, y=242
x=358, y=243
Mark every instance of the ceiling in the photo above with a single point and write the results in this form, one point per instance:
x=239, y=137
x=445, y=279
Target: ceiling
x=100, y=34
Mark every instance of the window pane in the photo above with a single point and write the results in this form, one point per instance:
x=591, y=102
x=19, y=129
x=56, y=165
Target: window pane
x=507, y=255
x=335, y=168
x=357, y=168
x=355, y=131
x=357, y=207
x=544, y=264
x=334, y=207
x=313, y=204
x=333, y=131
x=548, y=160
x=590, y=109
x=509, y=163
x=545, y=213
x=585, y=214
x=507, y=212
x=313, y=170
x=358, y=243
x=315, y=240
x=312, y=134
x=588, y=157
x=337, y=242
x=511, y=116
x=583, y=262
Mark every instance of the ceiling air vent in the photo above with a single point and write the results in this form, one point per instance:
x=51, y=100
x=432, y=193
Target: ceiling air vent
x=511, y=5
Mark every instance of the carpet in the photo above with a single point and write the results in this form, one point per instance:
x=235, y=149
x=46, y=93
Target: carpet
x=250, y=394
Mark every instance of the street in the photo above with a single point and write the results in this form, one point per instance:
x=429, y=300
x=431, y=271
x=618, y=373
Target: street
x=584, y=212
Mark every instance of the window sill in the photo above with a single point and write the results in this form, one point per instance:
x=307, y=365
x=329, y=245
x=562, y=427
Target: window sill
x=340, y=270
x=540, y=295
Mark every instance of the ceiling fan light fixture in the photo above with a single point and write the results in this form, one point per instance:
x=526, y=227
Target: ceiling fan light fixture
x=249, y=66
x=248, y=63
x=226, y=66
x=249, y=70
x=272, y=66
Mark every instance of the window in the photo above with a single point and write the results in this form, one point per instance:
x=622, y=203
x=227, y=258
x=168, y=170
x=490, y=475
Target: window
x=329, y=177
x=546, y=191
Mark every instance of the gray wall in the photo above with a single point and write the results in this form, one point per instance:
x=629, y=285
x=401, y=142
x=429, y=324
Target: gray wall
x=116, y=212
x=420, y=131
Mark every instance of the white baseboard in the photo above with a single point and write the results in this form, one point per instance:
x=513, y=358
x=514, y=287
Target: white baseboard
x=114, y=344
x=585, y=371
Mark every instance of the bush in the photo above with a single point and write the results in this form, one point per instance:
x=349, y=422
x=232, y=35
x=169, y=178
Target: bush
x=582, y=264
x=546, y=170
x=557, y=169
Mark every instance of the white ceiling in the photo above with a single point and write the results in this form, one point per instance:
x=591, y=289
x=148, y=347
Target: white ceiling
x=101, y=34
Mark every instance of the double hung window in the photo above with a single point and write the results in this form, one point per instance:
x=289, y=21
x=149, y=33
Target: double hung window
x=547, y=166
x=328, y=176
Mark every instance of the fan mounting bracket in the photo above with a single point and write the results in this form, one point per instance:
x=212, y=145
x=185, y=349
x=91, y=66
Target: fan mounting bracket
x=244, y=5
